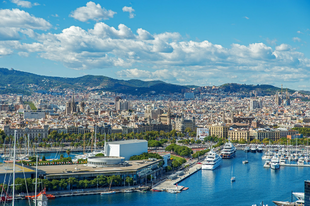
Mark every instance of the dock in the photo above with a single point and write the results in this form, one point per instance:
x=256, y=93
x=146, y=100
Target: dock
x=295, y=165
x=172, y=184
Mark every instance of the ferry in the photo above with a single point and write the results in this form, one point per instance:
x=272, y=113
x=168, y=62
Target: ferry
x=228, y=151
x=212, y=161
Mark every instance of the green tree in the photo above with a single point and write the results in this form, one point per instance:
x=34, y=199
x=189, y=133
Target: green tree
x=129, y=180
x=68, y=152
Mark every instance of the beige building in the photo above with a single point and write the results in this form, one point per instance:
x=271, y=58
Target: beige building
x=39, y=132
x=239, y=135
x=220, y=131
x=273, y=135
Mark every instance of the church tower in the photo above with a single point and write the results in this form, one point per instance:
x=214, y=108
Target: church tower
x=169, y=117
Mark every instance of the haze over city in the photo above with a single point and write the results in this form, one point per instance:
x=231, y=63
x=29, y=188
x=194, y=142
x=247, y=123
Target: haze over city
x=201, y=43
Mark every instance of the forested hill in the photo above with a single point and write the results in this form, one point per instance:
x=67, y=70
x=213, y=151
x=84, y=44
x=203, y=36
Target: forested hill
x=13, y=81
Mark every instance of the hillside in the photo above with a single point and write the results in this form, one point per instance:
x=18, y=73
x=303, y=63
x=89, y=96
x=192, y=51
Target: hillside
x=13, y=81
x=260, y=88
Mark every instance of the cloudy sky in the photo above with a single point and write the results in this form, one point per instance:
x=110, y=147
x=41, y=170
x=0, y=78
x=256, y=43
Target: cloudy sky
x=182, y=42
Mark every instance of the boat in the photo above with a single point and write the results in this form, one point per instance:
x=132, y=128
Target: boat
x=233, y=179
x=299, y=195
x=267, y=164
x=286, y=203
x=173, y=191
x=259, y=149
x=246, y=159
x=282, y=160
x=5, y=198
x=107, y=193
x=301, y=161
x=267, y=156
x=49, y=196
x=275, y=163
x=155, y=190
x=253, y=149
x=212, y=161
x=228, y=151
x=185, y=188
x=128, y=191
x=245, y=162
x=247, y=149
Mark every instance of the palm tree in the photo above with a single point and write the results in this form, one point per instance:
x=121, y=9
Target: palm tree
x=68, y=152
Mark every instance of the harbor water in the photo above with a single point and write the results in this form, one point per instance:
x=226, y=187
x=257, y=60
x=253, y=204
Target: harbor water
x=253, y=185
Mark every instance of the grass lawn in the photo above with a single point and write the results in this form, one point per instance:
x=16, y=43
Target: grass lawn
x=176, y=157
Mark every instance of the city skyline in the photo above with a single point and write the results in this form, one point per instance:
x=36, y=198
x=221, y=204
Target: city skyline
x=206, y=43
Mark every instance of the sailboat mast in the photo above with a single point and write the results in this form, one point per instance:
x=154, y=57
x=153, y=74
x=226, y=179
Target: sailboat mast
x=95, y=138
x=35, y=192
x=28, y=145
x=14, y=156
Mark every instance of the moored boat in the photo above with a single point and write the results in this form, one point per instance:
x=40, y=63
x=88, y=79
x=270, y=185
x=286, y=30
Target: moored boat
x=267, y=164
x=212, y=161
x=228, y=151
x=275, y=163
x=107, y=193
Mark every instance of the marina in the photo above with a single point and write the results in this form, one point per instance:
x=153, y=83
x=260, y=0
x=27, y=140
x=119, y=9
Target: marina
x=207, y=187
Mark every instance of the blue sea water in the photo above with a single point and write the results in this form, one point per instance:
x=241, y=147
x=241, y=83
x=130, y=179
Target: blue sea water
x=253, y=185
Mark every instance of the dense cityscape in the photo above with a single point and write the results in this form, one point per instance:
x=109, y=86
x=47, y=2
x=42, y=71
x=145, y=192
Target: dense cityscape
x=154, y=103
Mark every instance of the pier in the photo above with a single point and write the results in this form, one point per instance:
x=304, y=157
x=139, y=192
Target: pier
x=168, y=184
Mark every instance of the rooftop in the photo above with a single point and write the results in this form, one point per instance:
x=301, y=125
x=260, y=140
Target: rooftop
x=127, y=141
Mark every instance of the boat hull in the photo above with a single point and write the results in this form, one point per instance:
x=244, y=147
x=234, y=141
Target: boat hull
x=211, y=167
x=275, y=166
x=228, y=156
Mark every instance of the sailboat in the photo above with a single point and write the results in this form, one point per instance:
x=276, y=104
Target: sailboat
x=233, y=178
x=246, y=160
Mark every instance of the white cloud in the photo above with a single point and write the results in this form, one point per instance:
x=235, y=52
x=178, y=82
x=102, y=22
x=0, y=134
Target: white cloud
x=23, y=54
x=15, y=21
x=130, y=10
x=163, y=56
x=296, y=39
x=246, y=17
x=20, y=19
x=104, y=31
x=144, y=35
x=26, y=4
x=299, y=32
x=92, y=12
x=5, y=51
x=283, y=47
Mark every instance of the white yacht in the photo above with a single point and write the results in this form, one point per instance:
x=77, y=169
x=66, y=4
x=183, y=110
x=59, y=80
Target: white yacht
x=301, y=161
x=253, y=149
x=299, y=195
x=282, y=160
x=275, y=163
x=212, y=161
x=259, y=149
x=267, y=156
x=228, y=151
x=247, y=149
x=267, y=164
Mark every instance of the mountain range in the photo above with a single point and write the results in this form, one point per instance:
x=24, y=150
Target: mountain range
x=14, y=81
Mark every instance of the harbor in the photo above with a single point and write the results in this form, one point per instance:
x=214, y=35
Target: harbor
x=205, y=186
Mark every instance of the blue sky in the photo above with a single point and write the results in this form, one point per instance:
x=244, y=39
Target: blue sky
x=182, y=42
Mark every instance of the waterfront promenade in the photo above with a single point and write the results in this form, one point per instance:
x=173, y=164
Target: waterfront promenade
x=168, y=184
